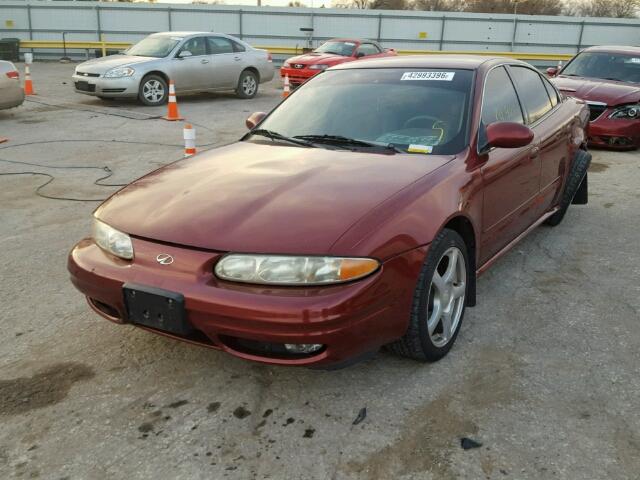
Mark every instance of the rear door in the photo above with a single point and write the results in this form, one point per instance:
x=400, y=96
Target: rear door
x=191, y=72
x=511, y=176
x=226, y=62
x=551, y=128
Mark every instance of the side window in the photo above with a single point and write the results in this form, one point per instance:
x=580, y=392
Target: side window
x=219, y=45
x=368, y=49
x=237, y=47
x=533, y=93
x=196, y=46
x=553, y=93
x=500, y=102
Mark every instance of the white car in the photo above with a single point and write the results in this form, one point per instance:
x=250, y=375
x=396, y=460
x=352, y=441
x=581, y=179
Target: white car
x=11, y=93
x=195, y=61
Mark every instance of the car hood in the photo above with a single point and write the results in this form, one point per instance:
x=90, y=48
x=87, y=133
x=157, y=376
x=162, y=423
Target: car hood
x=315, y=58
x=103, y=64
x=261, y=198
x=598, y=90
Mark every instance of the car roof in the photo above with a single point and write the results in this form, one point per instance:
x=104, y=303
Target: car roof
x=465, y=62
x=183, y=34
x=614, y=49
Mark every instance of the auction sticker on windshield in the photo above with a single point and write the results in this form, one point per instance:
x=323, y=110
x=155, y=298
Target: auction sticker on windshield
x=446, y=76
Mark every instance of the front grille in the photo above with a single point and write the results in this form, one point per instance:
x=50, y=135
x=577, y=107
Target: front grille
x=86, y=74
x=113, y=90
x=595, y=110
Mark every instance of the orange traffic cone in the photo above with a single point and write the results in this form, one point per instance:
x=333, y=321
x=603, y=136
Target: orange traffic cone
x=189, y=134
x=287, y=90
x=28, y=84
x=172, y=105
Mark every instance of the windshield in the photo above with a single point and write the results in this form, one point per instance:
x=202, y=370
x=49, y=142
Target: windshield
x=338, y=48
x=610, y=66
x=154, y=47
x=401, y=107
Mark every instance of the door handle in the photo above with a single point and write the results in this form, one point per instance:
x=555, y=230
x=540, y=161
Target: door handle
x=237, y=59
x=204, y=60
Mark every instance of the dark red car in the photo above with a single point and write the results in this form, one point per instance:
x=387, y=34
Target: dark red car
x=317, y=239
x=331, y=53
x=608, y=79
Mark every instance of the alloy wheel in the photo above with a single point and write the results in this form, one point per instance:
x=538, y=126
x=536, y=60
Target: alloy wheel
x=446, y=297
x=249, y=85
x=153, y=91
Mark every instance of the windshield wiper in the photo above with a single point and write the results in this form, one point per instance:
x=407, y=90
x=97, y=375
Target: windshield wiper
x=345, y=141
x=278, y=136
x=614, y=79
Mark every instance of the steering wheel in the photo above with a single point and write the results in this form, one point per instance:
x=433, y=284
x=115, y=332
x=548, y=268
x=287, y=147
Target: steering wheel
x=418, y=118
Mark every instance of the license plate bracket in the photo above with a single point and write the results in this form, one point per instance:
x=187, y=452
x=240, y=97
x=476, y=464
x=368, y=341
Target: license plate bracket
x=156, y=308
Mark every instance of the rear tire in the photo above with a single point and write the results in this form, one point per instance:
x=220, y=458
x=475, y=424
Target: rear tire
x=247, y=85
x=438, y=301
x=153, y=90
x=577, y=174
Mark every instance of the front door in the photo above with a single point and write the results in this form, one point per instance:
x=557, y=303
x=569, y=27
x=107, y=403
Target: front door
x=511, y=177
x=191, y=72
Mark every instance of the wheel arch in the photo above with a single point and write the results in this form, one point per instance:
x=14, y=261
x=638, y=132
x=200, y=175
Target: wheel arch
x=160, y=73
x=463, y=227
x=253, y=70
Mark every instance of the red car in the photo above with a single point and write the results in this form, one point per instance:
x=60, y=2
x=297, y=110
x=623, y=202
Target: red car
x=333, y=52
x=608, y=79
x=317, y=239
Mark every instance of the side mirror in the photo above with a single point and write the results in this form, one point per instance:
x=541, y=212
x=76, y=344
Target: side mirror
x=254, y=119
x=185, y=54
x=552, y=72
x=360, y=54
x=508, y=135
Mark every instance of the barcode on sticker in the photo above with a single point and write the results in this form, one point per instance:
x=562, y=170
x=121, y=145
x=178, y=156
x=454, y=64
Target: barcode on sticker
x=446, y=76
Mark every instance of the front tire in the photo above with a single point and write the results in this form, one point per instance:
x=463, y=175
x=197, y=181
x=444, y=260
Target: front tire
x=247, y=85
x=153, y=91
x=576, y=177
x=438, y=301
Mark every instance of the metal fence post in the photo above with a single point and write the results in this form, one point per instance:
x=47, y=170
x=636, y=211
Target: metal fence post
x=379, y=25
x=98, y=26
x=444, y=22
x=312, y=29
x=29, y=24
x=240, y=23
x=580, y=37
x=515, y=30
x=169, y=18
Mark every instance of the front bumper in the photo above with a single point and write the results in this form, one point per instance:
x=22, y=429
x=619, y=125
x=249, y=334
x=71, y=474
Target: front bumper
x=106, y=87
x=297, y=76
x=614, y=133
x=350, y=319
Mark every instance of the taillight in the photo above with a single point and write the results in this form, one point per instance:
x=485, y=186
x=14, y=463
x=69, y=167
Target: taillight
x=13, y=74
x=269, y=57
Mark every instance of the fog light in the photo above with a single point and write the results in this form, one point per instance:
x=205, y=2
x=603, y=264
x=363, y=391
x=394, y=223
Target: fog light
x=302, y=347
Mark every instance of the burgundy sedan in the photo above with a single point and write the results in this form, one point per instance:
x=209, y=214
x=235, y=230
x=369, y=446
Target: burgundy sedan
x=608, y=79
x=317, y=239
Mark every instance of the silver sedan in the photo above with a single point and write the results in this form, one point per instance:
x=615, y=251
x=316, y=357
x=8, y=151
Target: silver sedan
x=195, y=61
x=11, y=93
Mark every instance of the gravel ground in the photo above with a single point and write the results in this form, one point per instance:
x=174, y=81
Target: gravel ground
x=545, y=373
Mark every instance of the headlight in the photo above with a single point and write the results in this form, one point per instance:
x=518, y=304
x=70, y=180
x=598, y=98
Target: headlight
x=119, y=72
x=627, y=111
x=293, y=270
x=319, y=66
x=111, y=240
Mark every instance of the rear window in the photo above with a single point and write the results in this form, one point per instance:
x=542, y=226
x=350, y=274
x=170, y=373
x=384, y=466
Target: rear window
x=398, y=106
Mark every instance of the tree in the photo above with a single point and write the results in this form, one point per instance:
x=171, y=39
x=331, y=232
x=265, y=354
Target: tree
x=360, y=4
x=297, y=3
x=389, y=5
x=440, y=5
x=525, y=7
x=604, y=8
